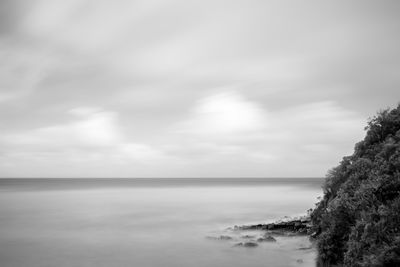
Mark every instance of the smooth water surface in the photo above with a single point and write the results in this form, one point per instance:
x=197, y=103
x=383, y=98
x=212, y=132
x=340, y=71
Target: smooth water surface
x=157, y=222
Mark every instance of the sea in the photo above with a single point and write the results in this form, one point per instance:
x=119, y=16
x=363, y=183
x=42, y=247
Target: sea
x=151, y=222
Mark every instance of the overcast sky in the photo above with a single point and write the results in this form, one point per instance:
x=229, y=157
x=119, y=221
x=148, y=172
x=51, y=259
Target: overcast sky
x=191, y=88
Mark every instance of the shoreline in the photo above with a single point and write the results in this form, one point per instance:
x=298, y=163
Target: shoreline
x=295, y=225
x=287, y=227
x=290, y=234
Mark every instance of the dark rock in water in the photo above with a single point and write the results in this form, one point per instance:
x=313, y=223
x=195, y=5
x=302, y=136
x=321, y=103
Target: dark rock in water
x=246, y=244
x=248, y=236
x=221, y=237
x=266, y=239
x=304, y=248
x=250, y=244
x=299, y=261
x=298, y=226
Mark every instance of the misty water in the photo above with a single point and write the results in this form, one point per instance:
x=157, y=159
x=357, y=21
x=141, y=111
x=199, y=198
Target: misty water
x=149, y=222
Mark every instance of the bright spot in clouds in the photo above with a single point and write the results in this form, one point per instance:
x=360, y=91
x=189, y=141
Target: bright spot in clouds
x=225, y=113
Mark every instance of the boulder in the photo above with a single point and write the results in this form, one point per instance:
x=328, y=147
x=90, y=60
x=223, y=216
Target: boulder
x=266, y=238
x=246, y=244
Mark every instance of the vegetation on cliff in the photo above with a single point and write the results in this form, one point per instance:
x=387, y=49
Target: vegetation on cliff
x=357, y=222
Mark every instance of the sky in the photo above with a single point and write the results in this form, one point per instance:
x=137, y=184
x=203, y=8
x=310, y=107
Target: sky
x=181, y=88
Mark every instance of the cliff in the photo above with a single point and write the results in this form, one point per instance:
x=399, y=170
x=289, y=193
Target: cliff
x=357, y=222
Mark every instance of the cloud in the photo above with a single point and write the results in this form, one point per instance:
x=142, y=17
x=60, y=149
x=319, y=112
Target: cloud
x=222, y=114
x=229, y=129
x=90, y=142
x=192, y=87
x=222, y=130
x=93, y=128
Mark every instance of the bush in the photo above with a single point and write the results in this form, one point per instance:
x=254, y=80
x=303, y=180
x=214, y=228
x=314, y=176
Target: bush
x=357, y=221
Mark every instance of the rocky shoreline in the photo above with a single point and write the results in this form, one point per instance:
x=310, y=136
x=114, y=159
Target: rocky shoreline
x=301, y=225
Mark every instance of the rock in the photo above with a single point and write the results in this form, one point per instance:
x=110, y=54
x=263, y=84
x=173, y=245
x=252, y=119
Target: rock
x=221, y=237
x=304, y=248
x=297, y=226
x=299, y=261
x=250, y=244
x=246, y=244
x=266, y=238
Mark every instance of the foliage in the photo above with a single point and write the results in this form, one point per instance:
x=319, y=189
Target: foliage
x=357, y=222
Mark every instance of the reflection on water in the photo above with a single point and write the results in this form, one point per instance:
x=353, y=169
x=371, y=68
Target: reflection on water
x=156, y=224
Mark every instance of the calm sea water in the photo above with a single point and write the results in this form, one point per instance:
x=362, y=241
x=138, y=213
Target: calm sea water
x=149, y=222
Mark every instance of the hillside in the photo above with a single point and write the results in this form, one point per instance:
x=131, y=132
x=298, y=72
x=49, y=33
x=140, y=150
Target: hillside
x=357, y=222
